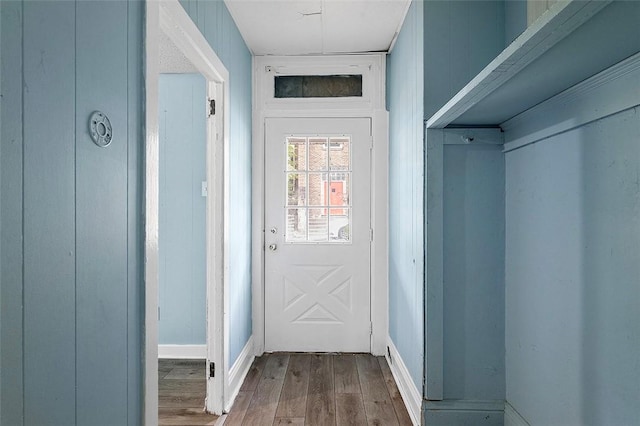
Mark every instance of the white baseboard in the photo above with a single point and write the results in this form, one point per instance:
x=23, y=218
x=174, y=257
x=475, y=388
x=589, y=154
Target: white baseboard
x=411, y=396
x=182, y=351
x=463, y=411
x=512, y=417
x=237, y=373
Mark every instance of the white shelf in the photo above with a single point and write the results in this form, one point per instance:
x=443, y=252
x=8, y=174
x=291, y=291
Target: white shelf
x=567, y=44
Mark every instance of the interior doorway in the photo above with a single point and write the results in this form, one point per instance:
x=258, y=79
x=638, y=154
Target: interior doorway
x=175, y=45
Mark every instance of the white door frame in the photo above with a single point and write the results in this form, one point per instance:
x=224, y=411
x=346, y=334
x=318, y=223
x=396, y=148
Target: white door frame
x=371, y=105
x=169, y=17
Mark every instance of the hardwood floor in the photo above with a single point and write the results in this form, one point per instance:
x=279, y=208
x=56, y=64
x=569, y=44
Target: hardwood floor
x=290, y=389
x=181, y=392
x=318, y=389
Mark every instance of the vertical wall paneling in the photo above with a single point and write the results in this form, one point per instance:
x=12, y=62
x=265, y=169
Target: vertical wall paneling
x=572, y=273
x=406, y=245
x=216, y=24
x=515, y=19
x=473, y=280
x=101, y=213
x=460, y=39
x=11, y=260
x=135, y=135
x=182, y=226
x=49, y=213
x=464, y=355
x=71, y=287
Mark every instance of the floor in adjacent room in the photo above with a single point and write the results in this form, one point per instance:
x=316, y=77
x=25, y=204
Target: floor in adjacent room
x=181, y=392
x=290, y=389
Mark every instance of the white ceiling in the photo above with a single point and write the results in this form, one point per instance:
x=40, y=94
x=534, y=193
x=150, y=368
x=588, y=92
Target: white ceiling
x=302, y=27
x=172, y=60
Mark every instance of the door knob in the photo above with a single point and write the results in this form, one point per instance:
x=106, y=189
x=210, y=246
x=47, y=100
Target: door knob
x=273, y=247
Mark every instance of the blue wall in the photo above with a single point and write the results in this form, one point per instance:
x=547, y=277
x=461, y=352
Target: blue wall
x=515, y=19
x=473, y=295
x=406, y=164
x=71, y=213
x=182, y=226
x=572, y=274
x=216, y=24
x=460, y=39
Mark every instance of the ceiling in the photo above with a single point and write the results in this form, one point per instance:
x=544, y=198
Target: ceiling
x=172, y=60
x=303, y=27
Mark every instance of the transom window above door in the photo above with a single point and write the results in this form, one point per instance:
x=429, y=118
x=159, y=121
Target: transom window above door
x=318, y=189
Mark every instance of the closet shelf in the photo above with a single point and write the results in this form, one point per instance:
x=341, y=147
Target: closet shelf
x=569, y=43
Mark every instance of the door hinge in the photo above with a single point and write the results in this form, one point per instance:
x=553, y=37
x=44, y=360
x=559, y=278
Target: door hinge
x=370, y=234
x=212, y=370
x=370, y=142
x=370, y=329
x=212, y=107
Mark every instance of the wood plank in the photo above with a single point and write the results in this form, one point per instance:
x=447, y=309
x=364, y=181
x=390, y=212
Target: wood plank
x=346, y=374
x=182, y=385
x=186, y=373
x=185, y=416
x=377, y=403
x=321, y=397
x=255, y=373
x=293, y=398
x=181, y=400
x=296, y=421
x=350, y=409
x=239, y=409
x=396, y=399
x=264, y=403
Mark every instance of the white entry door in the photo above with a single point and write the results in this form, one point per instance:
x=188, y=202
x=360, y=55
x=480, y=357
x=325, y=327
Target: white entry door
x=318, y=234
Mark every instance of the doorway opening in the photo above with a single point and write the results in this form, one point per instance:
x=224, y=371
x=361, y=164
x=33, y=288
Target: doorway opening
x=177, y=54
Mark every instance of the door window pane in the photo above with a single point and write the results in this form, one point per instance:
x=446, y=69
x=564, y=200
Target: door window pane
x=318, y=176
x=296, y=154
x=296, y=225
x=296, y=189
x=339, y=226
x=318, y=153
x=318, y=225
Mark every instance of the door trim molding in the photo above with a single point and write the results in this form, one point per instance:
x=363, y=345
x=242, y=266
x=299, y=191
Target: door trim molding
x=373, y=109
x=170, y=17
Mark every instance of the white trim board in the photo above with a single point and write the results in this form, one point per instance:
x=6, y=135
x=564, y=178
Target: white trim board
x=608, y=92
x=512, y=417
x=237, y=374
x=411, y=396
x=182, y=351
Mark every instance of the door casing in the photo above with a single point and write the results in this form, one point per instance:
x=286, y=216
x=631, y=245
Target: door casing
x=372, y=106
x=169, y=16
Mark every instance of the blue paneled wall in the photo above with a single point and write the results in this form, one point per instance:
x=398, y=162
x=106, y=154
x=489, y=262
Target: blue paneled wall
x=215, y=23
x=71, y=213
x=572, y=275
x=182, y=220
x=473, y=296
x=406, y=164
x=460, y=39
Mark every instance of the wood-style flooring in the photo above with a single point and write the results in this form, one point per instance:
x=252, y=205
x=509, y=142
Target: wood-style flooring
x=296, y=389
x=181, y=392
